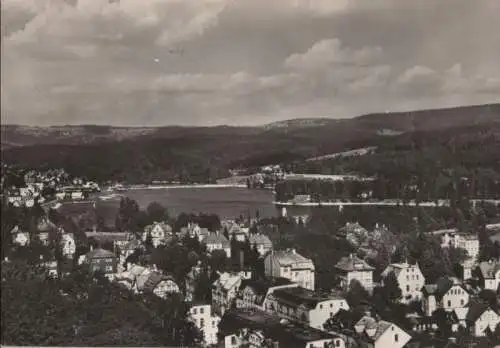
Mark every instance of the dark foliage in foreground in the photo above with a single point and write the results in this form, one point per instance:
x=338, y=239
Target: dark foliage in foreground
x=82, y=310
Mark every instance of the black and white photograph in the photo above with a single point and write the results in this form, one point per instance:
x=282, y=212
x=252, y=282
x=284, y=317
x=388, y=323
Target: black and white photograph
x=250, y=173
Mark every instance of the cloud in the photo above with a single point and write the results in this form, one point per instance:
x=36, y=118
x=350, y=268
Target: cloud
x=159, y=62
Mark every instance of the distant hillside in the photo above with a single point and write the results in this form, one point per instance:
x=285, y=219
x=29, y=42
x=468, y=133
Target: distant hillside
x=207, y=153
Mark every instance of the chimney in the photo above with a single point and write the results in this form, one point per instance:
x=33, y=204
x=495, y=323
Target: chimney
x=242, y=260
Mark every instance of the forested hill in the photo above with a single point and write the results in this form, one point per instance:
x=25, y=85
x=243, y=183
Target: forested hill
x=202, y=154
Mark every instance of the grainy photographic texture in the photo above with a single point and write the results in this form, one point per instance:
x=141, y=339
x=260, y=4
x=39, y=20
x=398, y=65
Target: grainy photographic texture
x=250, y=173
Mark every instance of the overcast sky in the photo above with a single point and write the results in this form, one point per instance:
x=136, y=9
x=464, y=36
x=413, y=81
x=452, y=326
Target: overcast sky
x=205, y=62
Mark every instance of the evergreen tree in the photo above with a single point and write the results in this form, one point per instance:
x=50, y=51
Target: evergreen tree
x=391, y=287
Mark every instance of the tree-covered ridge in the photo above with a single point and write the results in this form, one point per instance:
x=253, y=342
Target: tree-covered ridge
x=424, y=166
x=204, y=154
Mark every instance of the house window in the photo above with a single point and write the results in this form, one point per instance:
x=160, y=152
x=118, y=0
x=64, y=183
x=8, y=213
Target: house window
x=213, y=323
x=396, y=337
x=109, y=268
x=449, y=303
x=320, y=306
x=233, y=340
x=462, y=302
x=202, y=322
x=195, y=310
x=337, y=343
x=407, y=288
x=202, y=310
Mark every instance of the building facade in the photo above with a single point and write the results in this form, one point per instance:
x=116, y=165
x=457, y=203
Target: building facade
x=351, y=268
x=304, y=306
x=291, y=265
x=202, y=317
x=410, y=280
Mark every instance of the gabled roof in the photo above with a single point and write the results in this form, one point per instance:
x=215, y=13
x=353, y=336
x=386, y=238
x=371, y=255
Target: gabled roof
x=288, y=334
x=476, y=309
x=262, y=286
x=164, y=226
x=489, y=269
x=99, y=253
x=397, y=268
x=16, y=230
x=214, y=238
x=154, y=279
x=441, y=287
x=290, y=258
x=227, y=281
x=132, y=245
x=109, y=236
x=298, y=296
x=353, y=263
x=44, y=225
x=260, y=239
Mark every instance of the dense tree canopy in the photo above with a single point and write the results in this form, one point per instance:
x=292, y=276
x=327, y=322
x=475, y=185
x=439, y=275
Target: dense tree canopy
x=84, y=311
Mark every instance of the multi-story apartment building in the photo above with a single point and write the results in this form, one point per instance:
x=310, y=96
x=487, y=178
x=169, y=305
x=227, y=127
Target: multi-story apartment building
x=255, y=293
x=351, y=268
x=224, y=291
x=255, y=329
x=201, y=315
x=217, y=241
x=468, y=242
x=410, y=280
x=291, y=265
x=304, y=306
x=261, y=242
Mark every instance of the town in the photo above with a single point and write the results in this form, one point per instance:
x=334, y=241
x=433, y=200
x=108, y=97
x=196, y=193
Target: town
x=249, y=281
x=250, y=173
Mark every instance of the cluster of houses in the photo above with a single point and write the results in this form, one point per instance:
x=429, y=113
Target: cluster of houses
x=44, y=186
x=284, y=309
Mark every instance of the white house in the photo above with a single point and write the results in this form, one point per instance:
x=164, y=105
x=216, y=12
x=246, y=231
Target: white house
x=224, y=291
x=157, y=283
x=410, y=280
x=468, y=242
x=351, y=268
x=68, y=245
x=20, y=237
x=143, y=280
x=202, y=317
x=216, y=241
x=489, y=275
x=194, y=230
x=291, y=265
x=480, y=319
x=256, y=329
x=159, y=232
x=447, y=294
x=254, y=293
x=305, y=306
x=381, y=334
x=262, y=243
